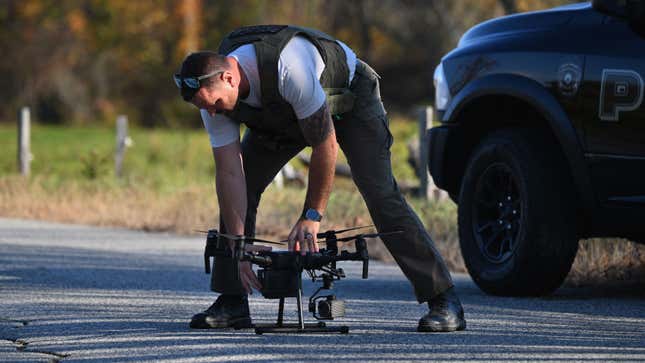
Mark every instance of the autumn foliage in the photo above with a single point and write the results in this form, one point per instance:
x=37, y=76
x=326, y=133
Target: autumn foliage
x=84, y=61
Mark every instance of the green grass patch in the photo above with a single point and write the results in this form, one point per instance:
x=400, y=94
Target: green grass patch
x=161, y=159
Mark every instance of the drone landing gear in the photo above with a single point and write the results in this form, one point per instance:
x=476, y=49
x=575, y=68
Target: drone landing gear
x=300, y=327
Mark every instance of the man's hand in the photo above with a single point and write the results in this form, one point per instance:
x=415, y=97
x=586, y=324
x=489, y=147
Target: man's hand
x=247, y=277
x=303, y=236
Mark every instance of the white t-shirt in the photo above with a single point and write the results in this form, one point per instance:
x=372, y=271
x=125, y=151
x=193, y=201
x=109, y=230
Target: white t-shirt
x=299, y=69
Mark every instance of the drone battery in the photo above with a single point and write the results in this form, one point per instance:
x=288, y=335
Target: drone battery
x=331, y=308
x=277, y=284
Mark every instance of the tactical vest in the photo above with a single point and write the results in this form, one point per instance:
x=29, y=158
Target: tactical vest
x=276, y=121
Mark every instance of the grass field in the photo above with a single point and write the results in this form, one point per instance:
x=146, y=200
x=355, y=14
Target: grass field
x=168, y=185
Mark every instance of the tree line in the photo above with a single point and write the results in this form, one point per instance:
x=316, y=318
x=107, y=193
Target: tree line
x=85, y=61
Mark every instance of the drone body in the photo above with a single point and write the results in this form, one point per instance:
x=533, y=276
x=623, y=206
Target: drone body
x=281, y=274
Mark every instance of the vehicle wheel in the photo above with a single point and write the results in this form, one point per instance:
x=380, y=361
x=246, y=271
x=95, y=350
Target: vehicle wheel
x=517, y=227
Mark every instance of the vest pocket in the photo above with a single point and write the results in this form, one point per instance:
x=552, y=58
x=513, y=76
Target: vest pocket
x=339, y=100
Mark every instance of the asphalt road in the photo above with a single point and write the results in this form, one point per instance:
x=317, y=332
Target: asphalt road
x=76, y=293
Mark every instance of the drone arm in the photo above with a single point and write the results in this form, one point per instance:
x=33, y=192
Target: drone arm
x=263, y=261
x=366, y=264
x=361, y=249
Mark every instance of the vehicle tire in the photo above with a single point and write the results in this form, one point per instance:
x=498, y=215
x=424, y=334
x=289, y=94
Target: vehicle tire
x=517, y=224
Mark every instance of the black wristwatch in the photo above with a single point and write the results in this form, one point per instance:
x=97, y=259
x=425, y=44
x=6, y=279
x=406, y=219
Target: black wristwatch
x=312, y=215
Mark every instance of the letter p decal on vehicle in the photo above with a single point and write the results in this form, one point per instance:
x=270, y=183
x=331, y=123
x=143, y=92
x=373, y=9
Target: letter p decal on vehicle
x=620, y=91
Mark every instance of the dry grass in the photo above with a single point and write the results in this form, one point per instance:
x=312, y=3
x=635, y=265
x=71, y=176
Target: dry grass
x=121, y=207
x=194, y=208
x=602, y=261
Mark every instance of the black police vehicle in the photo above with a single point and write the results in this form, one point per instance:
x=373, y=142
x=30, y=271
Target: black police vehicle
x=541, y=139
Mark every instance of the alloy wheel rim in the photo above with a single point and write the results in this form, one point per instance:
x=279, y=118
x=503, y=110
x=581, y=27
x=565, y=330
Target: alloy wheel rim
x=497, y=213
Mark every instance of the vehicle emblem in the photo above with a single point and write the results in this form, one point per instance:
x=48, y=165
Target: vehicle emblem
x=569, y=79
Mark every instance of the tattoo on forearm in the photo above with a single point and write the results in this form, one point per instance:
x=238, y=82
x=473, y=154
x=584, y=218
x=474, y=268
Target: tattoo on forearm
x=318, y=126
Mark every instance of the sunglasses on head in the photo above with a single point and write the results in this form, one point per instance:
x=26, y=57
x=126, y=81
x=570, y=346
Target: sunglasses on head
x=192, y=82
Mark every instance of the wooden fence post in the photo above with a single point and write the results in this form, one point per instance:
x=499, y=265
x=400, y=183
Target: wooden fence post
x=24, y=136
x=122, y=142
x=425, y=122
x=427, y=188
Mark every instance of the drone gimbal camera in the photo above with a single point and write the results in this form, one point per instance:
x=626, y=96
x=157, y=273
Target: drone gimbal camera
x=281, y=275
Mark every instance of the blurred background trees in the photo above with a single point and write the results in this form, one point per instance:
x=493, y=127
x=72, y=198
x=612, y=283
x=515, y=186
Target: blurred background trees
x=84, y=61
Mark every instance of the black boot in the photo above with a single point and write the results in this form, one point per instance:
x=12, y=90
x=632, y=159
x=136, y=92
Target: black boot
x=228, y=311
x=446, y=314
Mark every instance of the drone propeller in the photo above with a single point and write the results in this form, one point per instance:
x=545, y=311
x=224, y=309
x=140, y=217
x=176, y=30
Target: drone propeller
x=332, y=232
x=370, y=235
x=323, y=234
x=320, y=235
x=239, y=238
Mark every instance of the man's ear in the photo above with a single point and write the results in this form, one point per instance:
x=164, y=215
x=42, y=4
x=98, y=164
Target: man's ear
x=228, y=79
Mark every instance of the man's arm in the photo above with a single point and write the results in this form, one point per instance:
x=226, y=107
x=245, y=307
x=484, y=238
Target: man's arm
x=318, y=130
x=230, y=183
x=231, y=186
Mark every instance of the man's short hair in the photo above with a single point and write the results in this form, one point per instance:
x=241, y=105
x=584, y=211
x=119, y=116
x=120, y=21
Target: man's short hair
x=198, y=64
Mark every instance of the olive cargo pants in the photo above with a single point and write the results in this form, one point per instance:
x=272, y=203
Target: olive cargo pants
x=363, y=135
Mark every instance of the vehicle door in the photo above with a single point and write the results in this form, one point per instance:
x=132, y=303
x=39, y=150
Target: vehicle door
x=614, y=117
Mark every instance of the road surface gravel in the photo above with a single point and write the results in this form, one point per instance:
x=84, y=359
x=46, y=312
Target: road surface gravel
x=86, y=294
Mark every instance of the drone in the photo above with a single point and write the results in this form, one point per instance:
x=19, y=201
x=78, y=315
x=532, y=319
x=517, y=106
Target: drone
x=280, y=274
